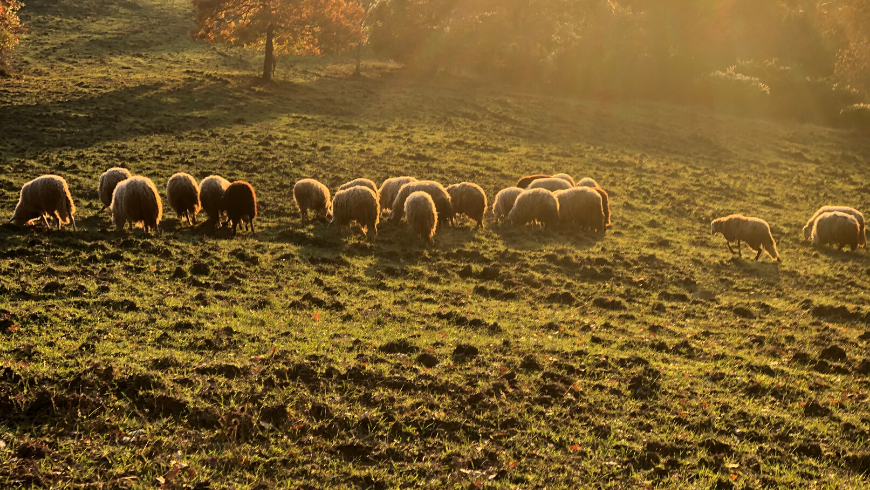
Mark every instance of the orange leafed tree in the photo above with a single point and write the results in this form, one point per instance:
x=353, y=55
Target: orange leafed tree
x=310, y=27
x=10, y=28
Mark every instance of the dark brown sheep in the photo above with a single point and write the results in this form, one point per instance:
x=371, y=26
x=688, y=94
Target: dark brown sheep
x=528, y=179
x=240, y=204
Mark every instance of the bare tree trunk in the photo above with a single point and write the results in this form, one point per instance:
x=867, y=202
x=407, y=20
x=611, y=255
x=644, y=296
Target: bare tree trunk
x=269, y=62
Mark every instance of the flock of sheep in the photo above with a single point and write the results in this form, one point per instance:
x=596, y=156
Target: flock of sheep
x=549, y=200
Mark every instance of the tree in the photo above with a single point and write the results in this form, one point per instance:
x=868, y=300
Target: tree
x=10, y=29
x=291, y=26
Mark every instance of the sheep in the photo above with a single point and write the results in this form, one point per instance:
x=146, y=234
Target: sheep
x=754, y=231
x=240, y=204
x=583, y=207
x=836, y=228
x=535, y=205
x=468, y=199
x=808, y=229
x=552, y=184
x=358, y=204
x=605, y=205
x=504, y=202
x=390, y=189
x=528, y=179
x=587, y=182
x=108, y=181
x=439, y=196
x=211, y=196
x=311, y=194
x=182, y=192
x=567, y=178
x=46, y=196
x=422, y=218
x=136, y=201
x=360, y=183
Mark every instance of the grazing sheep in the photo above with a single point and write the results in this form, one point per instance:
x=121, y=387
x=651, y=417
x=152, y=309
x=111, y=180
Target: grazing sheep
x=552, y=184
x=528, y=179
x=240, y=204
x=46, y=197
x=754, y=231
x=422, y=218
x=434, y=189
x=211, y=195
x=182, y=192
x=587, y=182
x=605, y=205
x=808, y=229
x=360, y=183
x=581, y=206
x=504, y=202
x=108, y=181
x=311, y=194
x=358, y=204
x=136, y=201
x=468, y=199
x=567, y=178
x=535, y=205
x=390, y=189
x=836, y=228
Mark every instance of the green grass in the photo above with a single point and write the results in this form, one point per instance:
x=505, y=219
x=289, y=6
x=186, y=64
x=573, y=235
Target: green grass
x=299, y=358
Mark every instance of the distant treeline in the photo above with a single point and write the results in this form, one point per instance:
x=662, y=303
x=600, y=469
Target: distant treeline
x=799, y=59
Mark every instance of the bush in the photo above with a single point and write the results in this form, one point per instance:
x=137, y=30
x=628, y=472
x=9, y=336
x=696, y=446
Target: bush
x=855, y=116
x=10, y=29
x=734, y=92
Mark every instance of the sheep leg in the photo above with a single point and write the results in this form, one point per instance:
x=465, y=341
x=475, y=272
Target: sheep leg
x=729, y=247
x=739, y=249
x=73, y=220
x=235, y=223
x=758, y=255
x=252, y=226
x=45, y=220
x=188, y=220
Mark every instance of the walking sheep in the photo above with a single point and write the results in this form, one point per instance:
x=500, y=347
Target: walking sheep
x=422, y=218
x=240, y=204
x=108, y=181
x=552, y=184
x=528, y=179
x=504, y=202
x=390, y=189
x=182, y=192
x=581, y=206
x=535, y=205
x=587, y=182
x=46, y=197
x=439, y=196
x=358, y=204
x=310, y=194
x=808, y=229
x=211, y=196
x=468, y=199
x=567, y=178
x=836, y=228
x=754, y=231
x=136, y=201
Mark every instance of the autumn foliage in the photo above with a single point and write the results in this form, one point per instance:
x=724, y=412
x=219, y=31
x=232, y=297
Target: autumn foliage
x=10, y=28
x=310, y=27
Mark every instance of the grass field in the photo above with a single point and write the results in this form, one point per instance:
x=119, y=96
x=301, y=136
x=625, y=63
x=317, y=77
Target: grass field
x=496, y=358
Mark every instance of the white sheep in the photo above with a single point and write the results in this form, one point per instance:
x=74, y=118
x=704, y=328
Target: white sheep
x=390, y=189
x=182, y=193
x=754, y=231
x=358, y=204
x=567, y=178
x=310, y=194
x=136, y=201
x=439, y=195
x=836, y=228
x=535, y=205
x=504, y=202
x=108, y=181
x=47, y=196
x=469, y=199
x=587, y=182
x=421, y=214
x=808, y=229
x=211, y=195
x=583, y=207
x=552, y=184
x=360, y=183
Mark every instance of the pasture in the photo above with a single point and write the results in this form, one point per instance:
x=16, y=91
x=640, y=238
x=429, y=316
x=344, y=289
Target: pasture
x=297, y=357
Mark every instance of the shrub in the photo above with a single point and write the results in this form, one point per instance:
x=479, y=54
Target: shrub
x=855, y=116
x=10, y=29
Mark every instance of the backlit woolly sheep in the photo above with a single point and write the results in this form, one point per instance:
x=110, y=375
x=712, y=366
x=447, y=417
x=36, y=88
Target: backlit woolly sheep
x=504, y=202
x=605, y=205
x=439, y=196
x=535, y=205
x=808, y=229
x=421, y=214
x=137, y=202
x=836, y=228
x=587, y=182
x=108, y=181
x=310, y=194
x=240, y=204
x=582, y=207
x=360, y=183
x=358, y=204
x=211, y=196
x=469, y=199
x=45, y=197
x=567, y=178
x=182, y=193
x=528, y=179
x=552, y=184
x=390, y=189
x=754, y=231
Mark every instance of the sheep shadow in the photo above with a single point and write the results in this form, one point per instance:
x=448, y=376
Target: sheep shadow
x=530, y=238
